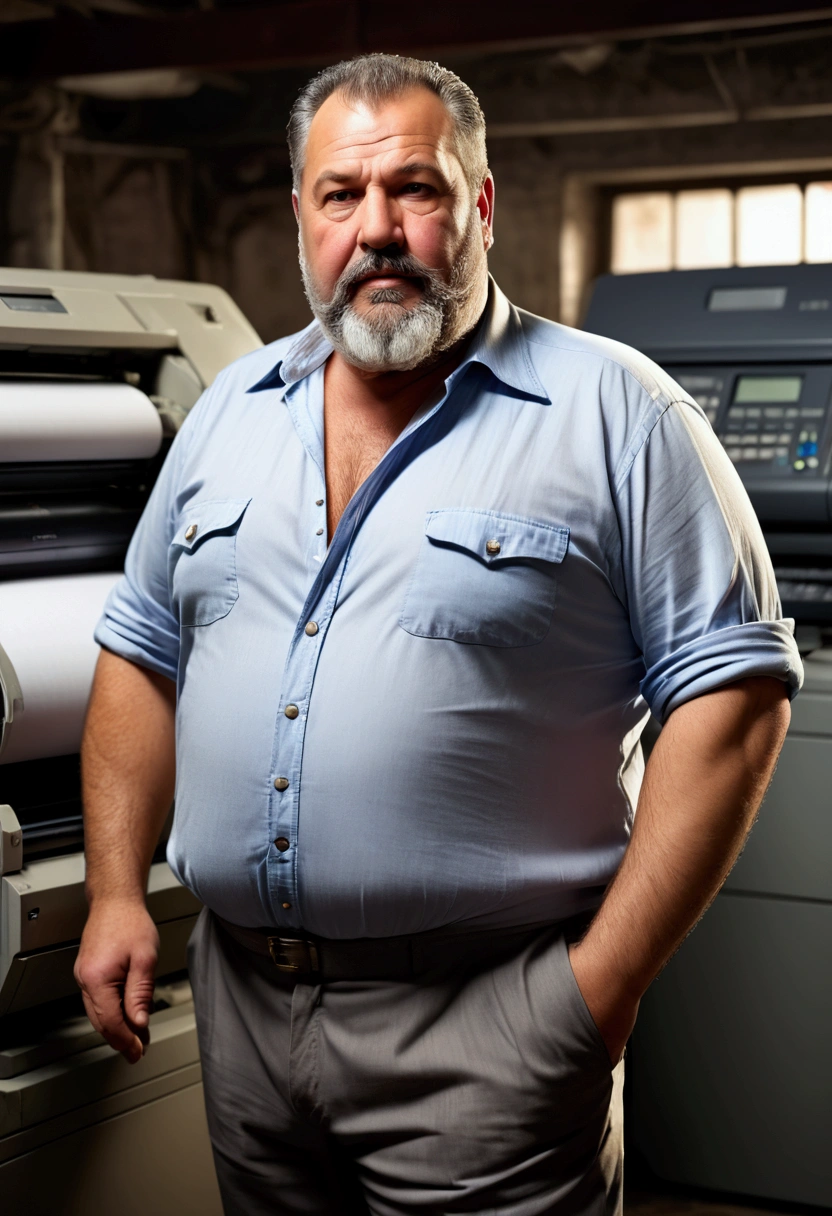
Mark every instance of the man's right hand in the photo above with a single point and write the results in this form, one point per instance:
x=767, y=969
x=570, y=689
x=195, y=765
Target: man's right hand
x=114, y=971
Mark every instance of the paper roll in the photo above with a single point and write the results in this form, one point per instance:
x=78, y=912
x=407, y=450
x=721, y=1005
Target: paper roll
x=48, y=420
x=46, y=630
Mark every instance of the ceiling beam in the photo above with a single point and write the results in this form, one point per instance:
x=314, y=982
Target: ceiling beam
x=322, y=31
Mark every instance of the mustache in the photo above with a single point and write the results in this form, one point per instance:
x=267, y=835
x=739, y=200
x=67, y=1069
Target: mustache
x=374, y=263
x=377, y=263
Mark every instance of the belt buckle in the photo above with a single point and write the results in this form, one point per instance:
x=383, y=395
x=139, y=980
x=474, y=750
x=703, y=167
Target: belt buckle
x=294, y=955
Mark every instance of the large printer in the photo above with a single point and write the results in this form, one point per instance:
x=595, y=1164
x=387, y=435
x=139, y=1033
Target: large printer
x=732, y=1055
x=97, y=372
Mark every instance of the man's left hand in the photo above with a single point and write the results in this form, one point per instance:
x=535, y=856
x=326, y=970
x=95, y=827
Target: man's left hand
x=613, y=1009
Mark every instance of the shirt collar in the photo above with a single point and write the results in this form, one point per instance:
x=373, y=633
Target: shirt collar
x=498, y=342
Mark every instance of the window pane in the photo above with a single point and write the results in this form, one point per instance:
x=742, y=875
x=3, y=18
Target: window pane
x=642, y=231
x=819, y=222
x=769, y=225
x=704, y=228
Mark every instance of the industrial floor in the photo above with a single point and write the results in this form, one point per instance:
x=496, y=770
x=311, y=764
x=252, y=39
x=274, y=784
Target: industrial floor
x=646, y=1195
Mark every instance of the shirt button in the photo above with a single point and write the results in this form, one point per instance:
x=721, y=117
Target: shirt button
x=291, y=711
x=281, y=844
x=311, y=629
x=320, y=532
x=281, y=783
x=190, y=532
x=319, y=502
x=492, y=547
x=287, y=906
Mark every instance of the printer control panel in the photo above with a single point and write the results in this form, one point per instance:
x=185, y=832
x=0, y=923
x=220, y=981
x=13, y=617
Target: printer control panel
x=771, y=420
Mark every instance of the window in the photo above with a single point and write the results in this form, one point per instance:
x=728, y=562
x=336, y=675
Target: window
x=768, y=225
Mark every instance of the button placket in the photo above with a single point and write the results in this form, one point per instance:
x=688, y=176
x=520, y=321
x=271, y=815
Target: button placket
x=291, y=728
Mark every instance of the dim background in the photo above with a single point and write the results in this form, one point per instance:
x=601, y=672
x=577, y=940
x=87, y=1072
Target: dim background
x=149, y=138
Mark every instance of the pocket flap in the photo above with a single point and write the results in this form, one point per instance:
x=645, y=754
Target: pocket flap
x=495, y=538
x=202, y=519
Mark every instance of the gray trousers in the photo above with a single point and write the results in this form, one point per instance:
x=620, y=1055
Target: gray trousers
x=483, y=1089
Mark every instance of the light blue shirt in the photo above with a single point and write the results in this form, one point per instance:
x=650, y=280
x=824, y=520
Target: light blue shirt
x=452, y=693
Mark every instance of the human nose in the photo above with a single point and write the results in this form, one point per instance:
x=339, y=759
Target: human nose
x=380, y=222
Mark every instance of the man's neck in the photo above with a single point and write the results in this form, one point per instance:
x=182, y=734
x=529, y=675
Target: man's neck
x=393, y=395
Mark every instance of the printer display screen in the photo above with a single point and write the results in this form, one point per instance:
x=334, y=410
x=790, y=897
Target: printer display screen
x=20, y=303
x=760, y=390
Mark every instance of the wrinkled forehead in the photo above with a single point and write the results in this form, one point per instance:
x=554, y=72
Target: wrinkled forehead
x=414, y=124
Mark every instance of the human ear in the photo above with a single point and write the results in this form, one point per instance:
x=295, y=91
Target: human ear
x=485, y=207
x=296, y=205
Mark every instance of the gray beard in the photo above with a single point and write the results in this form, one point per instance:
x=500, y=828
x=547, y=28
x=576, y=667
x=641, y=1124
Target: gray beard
x=393, y=337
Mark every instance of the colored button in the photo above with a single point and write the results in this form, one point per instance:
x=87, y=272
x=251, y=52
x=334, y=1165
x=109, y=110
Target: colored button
x=291, y=711
x=281, y=844
x=492, y=547
x=310, y=629
x=281, y=783
x=190, y=532
x=286, y=906
x=319, y=502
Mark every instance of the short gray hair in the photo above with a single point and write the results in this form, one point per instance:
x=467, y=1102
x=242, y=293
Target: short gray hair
x=374, y=79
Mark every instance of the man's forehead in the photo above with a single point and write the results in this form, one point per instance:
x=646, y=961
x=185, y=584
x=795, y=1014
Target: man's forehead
x=415, y=122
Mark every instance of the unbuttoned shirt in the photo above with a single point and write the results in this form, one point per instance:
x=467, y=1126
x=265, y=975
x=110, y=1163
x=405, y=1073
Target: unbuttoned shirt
x=435, y=718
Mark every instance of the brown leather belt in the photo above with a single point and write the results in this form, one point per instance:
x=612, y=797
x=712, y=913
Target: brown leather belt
x=391, y=958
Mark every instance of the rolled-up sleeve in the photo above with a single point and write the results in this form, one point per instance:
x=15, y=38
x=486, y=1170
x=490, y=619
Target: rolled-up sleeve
x=138, y=622
x=700, y=588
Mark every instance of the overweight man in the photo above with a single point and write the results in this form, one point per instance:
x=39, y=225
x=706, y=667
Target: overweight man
x=403, y=596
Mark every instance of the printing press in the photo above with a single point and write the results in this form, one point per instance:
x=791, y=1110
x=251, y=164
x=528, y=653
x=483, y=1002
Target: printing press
x=732, y=1060
x=97, y=373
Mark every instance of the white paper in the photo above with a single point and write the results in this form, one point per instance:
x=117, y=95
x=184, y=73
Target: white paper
x=50, y=420
x=46, y=629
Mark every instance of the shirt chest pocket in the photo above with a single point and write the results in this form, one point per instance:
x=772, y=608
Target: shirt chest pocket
x=484, y=578
x=202, y=570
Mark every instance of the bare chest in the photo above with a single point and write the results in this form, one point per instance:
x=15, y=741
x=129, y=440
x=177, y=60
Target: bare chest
x=353, y=447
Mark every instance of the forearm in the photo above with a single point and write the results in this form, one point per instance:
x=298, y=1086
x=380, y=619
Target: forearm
x=702, y=788
x=127, y=769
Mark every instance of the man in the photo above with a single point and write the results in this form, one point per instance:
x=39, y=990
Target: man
x=418, y=574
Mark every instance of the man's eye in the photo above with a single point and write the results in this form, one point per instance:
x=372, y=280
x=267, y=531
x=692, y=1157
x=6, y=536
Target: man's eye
x=416, y=188
x=341, y=196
